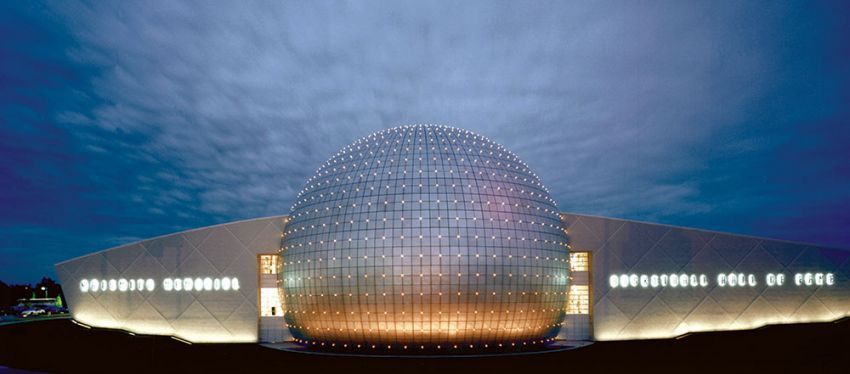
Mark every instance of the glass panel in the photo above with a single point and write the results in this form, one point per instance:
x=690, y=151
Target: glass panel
x=579, y=261
x=579, y=300
x=268, y=264
x=270, y=302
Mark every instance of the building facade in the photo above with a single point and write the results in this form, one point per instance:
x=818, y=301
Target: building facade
x=206, y=285
x=432, y=236
x=657, y=281
x=424, y=237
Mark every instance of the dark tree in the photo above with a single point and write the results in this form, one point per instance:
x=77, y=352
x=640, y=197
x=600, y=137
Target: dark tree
x=11, y=293
x=53, y=289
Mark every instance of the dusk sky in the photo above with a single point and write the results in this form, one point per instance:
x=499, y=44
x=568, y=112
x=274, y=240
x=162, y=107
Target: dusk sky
x=126, y=120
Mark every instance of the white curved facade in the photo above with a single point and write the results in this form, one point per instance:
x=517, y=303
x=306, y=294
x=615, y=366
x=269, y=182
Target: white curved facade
x=733, y=282
x=199, y=285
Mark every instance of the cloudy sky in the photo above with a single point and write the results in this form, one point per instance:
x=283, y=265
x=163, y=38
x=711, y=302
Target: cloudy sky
x=125, y=120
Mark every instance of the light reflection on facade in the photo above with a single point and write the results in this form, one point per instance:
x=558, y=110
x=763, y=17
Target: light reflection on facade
x=424, y=235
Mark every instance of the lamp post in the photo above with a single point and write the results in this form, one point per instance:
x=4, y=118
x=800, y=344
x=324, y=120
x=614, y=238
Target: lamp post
x=45, y=291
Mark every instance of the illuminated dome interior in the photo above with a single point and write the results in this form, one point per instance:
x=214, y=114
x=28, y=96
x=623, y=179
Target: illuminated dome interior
x=424, y=235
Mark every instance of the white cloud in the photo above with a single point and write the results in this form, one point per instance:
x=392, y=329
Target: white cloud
x=611, y=103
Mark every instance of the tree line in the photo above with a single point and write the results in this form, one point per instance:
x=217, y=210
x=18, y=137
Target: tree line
x=11, y=293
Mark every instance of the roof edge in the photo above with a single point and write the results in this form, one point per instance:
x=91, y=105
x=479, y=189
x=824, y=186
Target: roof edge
x=169, y=234
x=707, y=230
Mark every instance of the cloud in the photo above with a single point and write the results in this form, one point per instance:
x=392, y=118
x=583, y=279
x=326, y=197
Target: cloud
x=247, y=100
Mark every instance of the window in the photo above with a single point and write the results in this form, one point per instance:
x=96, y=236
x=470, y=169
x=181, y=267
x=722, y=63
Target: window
x=579, y=261
x=578, y=301
x=270, y=302
x=268, y=264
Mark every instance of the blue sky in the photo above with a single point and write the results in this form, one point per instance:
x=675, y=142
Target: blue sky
x=126, y=120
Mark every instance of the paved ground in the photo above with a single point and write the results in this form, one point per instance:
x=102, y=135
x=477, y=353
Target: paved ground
x=8, y=320
x=61, y=346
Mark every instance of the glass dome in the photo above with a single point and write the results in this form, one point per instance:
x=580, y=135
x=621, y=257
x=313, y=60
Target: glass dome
x=424, y=236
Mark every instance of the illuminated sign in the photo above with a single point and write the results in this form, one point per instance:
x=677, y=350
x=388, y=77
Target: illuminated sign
x=199, y=284
x=814, y=279
x=168, y=284
x=730, y=280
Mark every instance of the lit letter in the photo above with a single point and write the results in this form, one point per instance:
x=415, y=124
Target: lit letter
x=150, y=284
x=225, y=283
x=798, y=279
x=721, y=280
x=84, y=285
x=95, y=285
x=234, y=284
x=751, y=280
x=664, y=280
x=694, y=280
x=742, y=280
x=199, y=284
x=613, y=281
x=807, y=279
x=830, y=279
x=122, y=285
x=103, y=285
x=683, y=280
x=703, y=280
x=207, y=284
x=770, y=279
x=624, y=280
x=644, y=281
x=780, y=279
x=216, y=284
x=178, y=285
x=113, y=285
x=167, y=284
x=819, y=279
x=653, y=280
x=187, y=284
x=674, y=280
